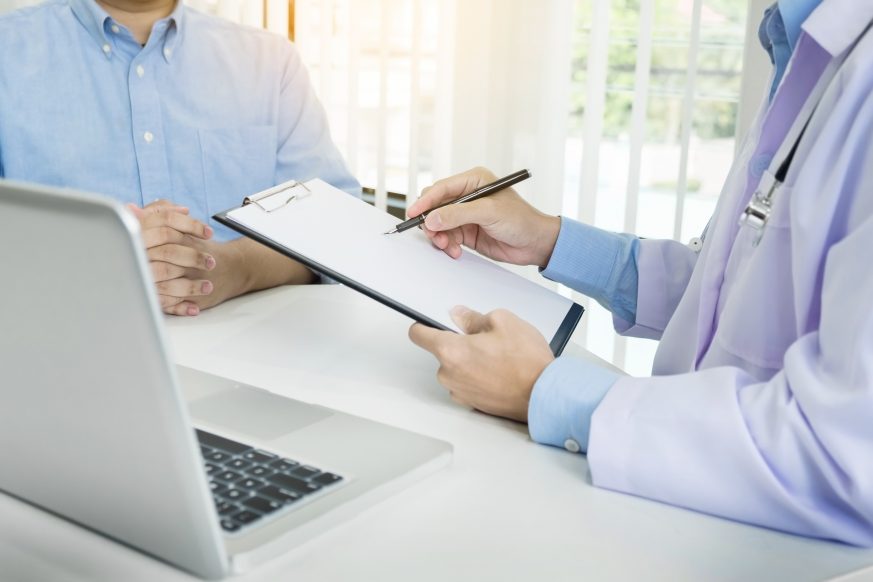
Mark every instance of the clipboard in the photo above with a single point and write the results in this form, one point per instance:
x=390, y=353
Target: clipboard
x=341, y=237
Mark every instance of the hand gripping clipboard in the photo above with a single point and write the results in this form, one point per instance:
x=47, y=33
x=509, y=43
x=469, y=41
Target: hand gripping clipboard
x=341, y=237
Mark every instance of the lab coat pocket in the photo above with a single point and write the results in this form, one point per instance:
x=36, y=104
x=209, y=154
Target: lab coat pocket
x=758, y=322
x=236, y=162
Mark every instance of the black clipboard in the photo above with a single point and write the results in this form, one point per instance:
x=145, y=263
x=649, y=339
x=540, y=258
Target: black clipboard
x=557, y=343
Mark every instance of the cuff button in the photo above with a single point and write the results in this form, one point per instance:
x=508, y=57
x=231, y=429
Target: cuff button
x=572, y=446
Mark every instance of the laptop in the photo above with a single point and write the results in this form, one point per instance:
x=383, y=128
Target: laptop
x=100, y=427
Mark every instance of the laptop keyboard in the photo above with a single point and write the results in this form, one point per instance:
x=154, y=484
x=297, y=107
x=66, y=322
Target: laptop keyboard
x=249, y=484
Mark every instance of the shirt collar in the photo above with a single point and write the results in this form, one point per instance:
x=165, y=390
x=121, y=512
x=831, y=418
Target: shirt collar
x=168, y=31
x=837, y=24
x=794, y=13
x=175, y=32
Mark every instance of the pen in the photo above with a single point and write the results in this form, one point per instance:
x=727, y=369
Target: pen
x=486, y=190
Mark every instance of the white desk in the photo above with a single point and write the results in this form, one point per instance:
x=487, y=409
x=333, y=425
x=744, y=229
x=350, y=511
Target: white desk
x=507, y=509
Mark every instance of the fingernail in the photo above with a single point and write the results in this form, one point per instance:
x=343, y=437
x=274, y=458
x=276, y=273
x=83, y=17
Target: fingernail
x=210, y=262
x=208, y=231
x=433, y=221
x=193, y=310
x=206, y=287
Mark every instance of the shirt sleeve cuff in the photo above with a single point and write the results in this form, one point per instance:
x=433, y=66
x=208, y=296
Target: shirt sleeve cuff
x=582, y=254
x=596, y=263
x=563, y=401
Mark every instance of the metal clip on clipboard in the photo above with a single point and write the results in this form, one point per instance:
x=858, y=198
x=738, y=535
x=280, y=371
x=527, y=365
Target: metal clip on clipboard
x=277, y=197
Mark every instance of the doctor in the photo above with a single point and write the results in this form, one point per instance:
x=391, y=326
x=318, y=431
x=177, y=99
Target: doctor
x=760, y=403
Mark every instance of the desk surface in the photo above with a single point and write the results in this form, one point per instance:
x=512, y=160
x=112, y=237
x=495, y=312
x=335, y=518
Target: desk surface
x=507, y=508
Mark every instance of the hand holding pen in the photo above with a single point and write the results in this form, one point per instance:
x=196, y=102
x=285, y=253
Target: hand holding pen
x=486, y=190
x=500, y=224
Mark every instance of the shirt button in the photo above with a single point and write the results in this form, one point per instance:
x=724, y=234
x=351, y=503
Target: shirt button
x=107, y=49
x=148, y=136
x=572, y=446
x=695, y=244
x=115, y=29
x=168, y=52
x=140, y=71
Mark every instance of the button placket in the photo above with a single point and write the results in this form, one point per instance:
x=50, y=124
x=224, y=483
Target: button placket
x=147, y=126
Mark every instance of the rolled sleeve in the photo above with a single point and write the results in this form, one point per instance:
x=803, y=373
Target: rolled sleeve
x=597, y=263
x=563, y=401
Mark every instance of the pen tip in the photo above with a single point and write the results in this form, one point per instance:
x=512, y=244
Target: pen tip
x=390, y=231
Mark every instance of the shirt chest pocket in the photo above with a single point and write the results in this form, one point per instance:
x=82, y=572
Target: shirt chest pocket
x=237, y=162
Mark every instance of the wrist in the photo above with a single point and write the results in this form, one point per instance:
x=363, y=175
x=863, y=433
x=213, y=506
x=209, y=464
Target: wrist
x=242, y=276
x=548, y=238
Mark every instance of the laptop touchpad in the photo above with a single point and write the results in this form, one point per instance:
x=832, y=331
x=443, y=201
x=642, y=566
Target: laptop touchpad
x=256, y=412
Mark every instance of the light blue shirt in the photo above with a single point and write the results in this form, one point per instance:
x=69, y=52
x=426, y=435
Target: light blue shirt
x=206, y=113
x=603, y=266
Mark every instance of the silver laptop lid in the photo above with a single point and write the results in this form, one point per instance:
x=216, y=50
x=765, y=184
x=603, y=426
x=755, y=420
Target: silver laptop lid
x=92, y=423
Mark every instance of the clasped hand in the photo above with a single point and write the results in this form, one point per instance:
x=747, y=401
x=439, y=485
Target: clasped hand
x=181, y=256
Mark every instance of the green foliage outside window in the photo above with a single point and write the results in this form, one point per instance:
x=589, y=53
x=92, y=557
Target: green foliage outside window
x=718, y=74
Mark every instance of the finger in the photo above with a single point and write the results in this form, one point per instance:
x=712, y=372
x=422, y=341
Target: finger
x=161, y=235
x=433, y=340
x=135, y=210
x=449, y=189
x=481, y=212
x=183, y=287
x=468, y=320
x=447, y=244
x=456, y=241
x=162, y=271
x=427, y=232
x=183, y=308
x=166, y=204
x=182, y=256
x=168, y=302
x=165, y=216
x=440, y=240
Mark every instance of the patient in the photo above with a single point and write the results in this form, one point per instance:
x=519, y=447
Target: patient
x=173, y=112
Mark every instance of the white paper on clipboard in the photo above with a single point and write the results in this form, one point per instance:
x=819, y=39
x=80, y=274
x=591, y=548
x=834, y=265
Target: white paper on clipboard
x=342, y=237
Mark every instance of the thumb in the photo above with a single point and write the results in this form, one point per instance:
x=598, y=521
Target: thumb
x=135, y=210
x=468, y=320
x=481, y=212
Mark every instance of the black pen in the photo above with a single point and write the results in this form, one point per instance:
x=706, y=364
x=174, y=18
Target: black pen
x=486, y=190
